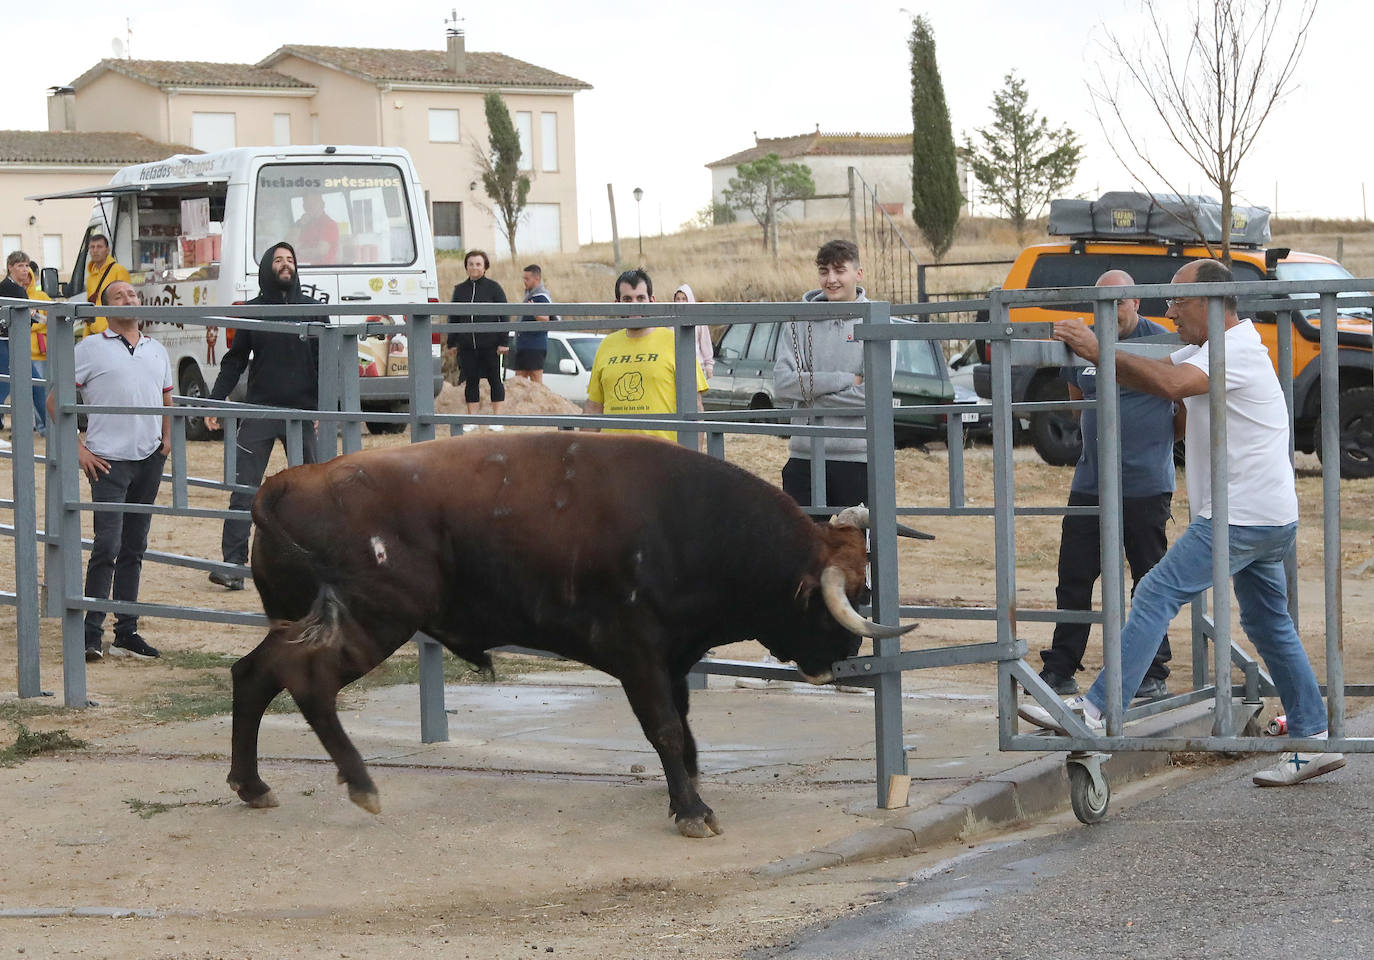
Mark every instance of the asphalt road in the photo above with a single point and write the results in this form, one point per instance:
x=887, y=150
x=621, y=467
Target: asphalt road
x=1213, y=868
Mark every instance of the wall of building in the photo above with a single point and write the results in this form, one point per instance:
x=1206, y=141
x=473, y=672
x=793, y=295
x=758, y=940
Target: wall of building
x=114, y=102
x=253, y=116
x=345, y=110
x=889, y=175
x=63, y=218
x=449, y=170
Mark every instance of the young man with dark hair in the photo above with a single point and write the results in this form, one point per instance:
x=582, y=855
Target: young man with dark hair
x=122, y=456
x=283, y=371
x=479, y=354
x=635, y=370
x=532, y=345
x=820, y=365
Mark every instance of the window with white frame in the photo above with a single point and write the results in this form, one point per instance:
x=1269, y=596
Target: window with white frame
x=524, y=127
x=281, y=129
x=212, y=131
x=443, y=126
x=10, y=243
x=52, y=250
x=548, y=141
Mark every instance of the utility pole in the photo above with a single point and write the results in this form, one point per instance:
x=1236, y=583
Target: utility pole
x=615, y=231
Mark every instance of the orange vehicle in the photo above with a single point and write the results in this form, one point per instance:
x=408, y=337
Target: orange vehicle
x=1079, y=261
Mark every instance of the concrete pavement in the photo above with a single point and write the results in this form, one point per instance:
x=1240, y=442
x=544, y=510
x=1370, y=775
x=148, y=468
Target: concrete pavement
x=789, y=769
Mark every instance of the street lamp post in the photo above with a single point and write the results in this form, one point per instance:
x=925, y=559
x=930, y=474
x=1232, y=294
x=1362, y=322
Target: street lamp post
x=639, y=223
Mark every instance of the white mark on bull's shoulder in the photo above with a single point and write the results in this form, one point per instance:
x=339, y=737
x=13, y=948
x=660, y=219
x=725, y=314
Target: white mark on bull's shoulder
x=569, y=473
x=379, y=550
x=633, y=594
x=501, y=512
x=415, y=477
x=496, y=457
x=561, y=498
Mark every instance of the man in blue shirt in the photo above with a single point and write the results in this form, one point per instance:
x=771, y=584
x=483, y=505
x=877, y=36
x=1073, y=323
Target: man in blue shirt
x=1147, y=485
x=531, y=343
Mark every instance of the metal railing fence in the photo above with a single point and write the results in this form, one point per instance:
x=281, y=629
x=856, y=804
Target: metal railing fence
x=341, y=418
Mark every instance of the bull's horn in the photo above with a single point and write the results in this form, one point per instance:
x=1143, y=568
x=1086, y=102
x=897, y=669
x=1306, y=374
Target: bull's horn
x=852, y=517
x=837, y=602
x=858, y=517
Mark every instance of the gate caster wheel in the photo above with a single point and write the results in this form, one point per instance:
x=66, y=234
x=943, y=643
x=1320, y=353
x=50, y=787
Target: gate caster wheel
x=1089, y=790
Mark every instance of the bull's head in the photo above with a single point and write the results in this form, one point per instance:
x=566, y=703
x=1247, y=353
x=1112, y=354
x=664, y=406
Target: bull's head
x=837, y=629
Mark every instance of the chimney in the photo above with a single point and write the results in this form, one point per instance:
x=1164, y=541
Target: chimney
x=457, y=57
x=61, y=109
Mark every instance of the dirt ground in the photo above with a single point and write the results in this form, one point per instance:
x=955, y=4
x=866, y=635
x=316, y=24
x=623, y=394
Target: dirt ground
x=217, y=889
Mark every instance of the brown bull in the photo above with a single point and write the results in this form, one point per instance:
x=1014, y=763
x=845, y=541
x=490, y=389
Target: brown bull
x=630, y=555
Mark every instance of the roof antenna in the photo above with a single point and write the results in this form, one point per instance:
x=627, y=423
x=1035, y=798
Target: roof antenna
x=129, y=39
x=451, y=23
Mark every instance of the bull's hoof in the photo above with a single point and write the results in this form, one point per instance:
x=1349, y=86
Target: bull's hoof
x=262, y=801
x=369, y=800
x=699, y=828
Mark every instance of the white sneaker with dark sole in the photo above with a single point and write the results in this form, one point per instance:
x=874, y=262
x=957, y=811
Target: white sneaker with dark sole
x=1296, y=767
x=1038, y=715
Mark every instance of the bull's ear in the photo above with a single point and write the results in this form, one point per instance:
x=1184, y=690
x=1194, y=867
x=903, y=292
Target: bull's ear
x=805, y=588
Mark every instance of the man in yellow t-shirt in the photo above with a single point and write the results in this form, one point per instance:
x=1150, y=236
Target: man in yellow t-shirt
x=634, y=370
x=101, y=271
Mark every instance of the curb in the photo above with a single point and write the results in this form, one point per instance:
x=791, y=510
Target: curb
x=1032, y=789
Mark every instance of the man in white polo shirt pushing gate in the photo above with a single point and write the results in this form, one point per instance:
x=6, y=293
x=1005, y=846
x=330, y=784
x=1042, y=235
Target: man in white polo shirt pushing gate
x=122, y=456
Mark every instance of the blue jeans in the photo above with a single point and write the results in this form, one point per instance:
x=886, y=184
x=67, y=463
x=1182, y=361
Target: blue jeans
x=1262, y=592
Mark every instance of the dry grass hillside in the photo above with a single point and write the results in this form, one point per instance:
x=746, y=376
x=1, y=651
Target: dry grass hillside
x=729, y=262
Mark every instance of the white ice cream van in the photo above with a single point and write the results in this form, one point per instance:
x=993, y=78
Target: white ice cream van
x=192, y=228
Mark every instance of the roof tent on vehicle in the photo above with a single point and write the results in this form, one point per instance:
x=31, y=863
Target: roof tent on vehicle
x=1125, y=215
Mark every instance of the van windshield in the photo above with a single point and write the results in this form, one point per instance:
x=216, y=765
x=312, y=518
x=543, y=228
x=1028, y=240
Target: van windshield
x=338, y=214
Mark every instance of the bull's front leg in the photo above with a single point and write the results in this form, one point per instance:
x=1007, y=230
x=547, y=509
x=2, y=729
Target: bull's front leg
x=651, y=696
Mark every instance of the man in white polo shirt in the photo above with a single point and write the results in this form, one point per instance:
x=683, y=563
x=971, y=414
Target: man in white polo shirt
x=1262, y=517
x=122, y=456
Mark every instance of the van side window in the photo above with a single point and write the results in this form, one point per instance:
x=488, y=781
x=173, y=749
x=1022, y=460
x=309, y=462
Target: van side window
x=345, y=214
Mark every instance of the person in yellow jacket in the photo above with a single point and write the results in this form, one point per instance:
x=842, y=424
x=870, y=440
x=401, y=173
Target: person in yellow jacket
x=101, y=270
x=38, y=332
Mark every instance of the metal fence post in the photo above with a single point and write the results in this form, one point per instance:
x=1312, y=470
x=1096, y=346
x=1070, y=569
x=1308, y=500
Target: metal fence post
x=327, y=438
x=349, y=396
x=1223, y=723
x=420, y=376
x=28, y=679
x=1003, y=513
x=1331, y=517
x=1109, y=508
x=62, y=446
x=882, y=506
x=1284, y=322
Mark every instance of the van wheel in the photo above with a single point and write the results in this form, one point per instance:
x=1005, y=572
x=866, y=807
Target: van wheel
x=1356, y=433
x=1054, y=433
x=193, y=386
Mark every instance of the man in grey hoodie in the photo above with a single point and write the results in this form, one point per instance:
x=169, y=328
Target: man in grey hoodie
x=819, y=365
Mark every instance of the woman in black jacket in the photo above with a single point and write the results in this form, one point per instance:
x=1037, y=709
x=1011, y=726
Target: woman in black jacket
x=479, y=354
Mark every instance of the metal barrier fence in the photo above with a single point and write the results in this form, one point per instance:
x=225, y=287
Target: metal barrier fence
x=341, y=416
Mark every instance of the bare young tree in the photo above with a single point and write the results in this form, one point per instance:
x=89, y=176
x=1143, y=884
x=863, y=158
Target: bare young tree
x=1212, y=78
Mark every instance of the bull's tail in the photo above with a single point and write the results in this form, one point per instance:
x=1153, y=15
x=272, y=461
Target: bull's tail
x=325, y=624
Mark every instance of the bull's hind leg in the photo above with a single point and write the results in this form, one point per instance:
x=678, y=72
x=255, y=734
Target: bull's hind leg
x=689, y=748
x=318, y=707
x=254, y=688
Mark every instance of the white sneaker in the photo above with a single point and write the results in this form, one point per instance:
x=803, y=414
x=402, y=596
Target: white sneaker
x=5, y=445
x=1041, y=717
x=498, y=427
x=1296, y=767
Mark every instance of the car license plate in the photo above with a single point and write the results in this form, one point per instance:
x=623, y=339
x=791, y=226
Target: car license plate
x=969, y=417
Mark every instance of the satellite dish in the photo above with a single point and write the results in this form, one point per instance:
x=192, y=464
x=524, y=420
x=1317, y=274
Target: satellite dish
x=117, y=45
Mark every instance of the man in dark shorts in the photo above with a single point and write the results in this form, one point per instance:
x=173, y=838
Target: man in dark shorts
x=479, y=354
x=532, y=344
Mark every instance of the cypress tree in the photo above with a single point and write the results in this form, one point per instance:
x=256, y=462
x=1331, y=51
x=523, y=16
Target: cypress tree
x=935, y=194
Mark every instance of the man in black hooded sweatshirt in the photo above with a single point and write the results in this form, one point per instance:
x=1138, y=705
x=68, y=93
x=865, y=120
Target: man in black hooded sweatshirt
x=283, y=371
